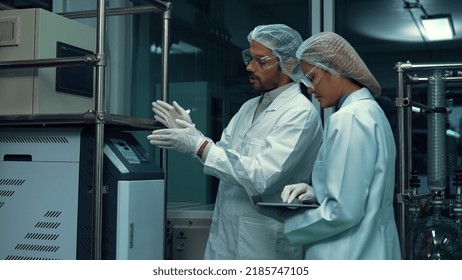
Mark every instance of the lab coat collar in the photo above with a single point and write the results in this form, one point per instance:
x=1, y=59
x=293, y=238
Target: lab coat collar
x=277, y=91
x=360, y=94
x=282, y=94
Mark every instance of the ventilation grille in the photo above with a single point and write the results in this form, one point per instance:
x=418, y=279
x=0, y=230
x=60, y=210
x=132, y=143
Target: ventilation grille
x=6, y=193
x=11, y=182
x=52, y=214
x=106, y=242
x=9, y=31
x=47, y=225
x=22, y=258
x=34, y=139
x=107, y=175
x=36, y=248
x=47, y=239
x=41, y=236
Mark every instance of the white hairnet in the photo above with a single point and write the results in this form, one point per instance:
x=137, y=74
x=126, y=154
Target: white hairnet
x=284, y=42
x=334, y=54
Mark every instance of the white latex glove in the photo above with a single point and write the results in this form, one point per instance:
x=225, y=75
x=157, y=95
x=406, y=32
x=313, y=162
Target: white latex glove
x=302, y=191
x=167, y=114
x=185, y=139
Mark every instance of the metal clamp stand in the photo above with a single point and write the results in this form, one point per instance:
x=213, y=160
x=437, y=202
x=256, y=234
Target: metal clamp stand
x=404, y=124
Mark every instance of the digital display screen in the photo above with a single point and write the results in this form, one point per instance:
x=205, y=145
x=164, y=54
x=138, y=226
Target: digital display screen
x=73, y=79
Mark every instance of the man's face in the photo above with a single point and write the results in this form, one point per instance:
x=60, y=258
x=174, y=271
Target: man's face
x=264, y=75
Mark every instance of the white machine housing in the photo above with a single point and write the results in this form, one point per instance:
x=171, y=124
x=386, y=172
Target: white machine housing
x=46, y=196
x=28, y=34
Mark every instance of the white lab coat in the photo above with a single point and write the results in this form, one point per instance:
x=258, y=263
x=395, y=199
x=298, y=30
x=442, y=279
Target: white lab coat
x=353, y=179
x=279, y=148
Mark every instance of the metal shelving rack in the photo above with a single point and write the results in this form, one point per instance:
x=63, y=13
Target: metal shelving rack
x=98, y=117
x=404, y=105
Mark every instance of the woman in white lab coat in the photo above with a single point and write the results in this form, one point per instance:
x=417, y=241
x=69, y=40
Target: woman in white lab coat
x=354, y=174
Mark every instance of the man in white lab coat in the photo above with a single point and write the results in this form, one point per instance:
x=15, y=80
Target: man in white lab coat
x=272, y=141
x=354, y=174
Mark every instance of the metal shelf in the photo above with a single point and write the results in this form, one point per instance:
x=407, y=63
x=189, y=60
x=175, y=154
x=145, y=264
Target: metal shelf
x=99, y=116
x=88, y=118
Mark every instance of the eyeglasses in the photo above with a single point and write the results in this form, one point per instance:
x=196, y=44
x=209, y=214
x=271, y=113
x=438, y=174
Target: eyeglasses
x=308, y=80
x=262, y=62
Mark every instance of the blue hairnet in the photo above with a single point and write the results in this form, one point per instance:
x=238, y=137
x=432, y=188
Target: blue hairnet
x=284, y=42
x=334, y=54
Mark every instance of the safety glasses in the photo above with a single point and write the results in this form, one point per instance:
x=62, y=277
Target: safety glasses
x=309, y=79
x=262, y=62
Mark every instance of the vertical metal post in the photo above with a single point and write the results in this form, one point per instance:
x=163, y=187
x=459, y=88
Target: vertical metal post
x=165, y=49
x=164, y=87
x=408, y=129
x=402, y=170
x=99, y=132
x=322, y=19
x=316, y=27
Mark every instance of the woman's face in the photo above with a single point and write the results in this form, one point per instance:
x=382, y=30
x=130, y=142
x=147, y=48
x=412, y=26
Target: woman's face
x=327, y=87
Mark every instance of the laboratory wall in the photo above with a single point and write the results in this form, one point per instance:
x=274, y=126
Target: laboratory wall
x=207, y=38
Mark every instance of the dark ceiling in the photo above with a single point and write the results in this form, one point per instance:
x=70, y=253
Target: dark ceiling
x=386, y=23
x=373, y=24
x=383, y=32
x=362, y=21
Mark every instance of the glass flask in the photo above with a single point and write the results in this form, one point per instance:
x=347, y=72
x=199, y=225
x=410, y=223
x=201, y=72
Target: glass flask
x=435, y=237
